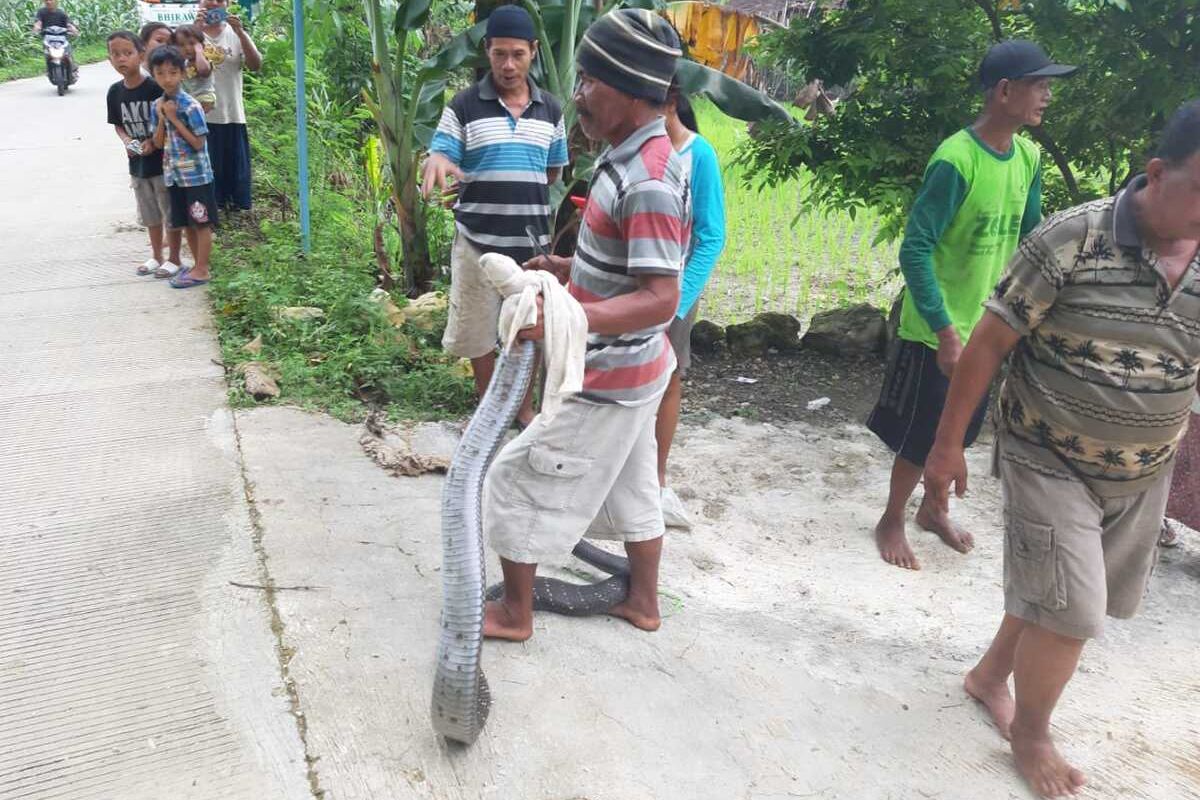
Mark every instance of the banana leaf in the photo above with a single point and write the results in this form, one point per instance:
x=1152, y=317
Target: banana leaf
x=411, y=15
x=429, y=110
x=734, y=98
x=462, y=50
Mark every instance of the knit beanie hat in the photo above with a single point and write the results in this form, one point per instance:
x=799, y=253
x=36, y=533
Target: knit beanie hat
x=632, y=50
x=510, y=22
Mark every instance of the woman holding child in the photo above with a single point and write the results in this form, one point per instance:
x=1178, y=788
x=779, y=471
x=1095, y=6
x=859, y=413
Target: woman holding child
x=229, y=49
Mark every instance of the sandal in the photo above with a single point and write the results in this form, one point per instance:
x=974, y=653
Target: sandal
x=149, y=267
x=1168, y=535
x=167, y=270
x=184, y=280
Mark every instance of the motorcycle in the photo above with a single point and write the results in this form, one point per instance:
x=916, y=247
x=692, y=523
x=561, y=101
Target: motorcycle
x=60, y=65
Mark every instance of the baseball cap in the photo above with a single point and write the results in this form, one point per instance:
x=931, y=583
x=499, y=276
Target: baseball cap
x=1018, y=58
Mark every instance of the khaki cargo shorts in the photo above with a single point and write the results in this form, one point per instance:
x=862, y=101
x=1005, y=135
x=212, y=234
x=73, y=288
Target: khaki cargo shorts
x=590, y=470
x=474, y=304
x=153, y=201
x=1071, y=557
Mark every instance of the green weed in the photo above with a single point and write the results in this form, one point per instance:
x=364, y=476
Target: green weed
x=351, y=357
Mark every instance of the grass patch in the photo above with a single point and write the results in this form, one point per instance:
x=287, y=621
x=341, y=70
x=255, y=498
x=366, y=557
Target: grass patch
x=779, y=257
x=34, y=64
x=352, y=357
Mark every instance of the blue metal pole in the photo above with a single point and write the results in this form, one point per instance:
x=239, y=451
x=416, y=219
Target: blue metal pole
x=301, y=125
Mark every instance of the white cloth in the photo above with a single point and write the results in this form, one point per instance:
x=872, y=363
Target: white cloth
x=224, y=51
x=565, y=323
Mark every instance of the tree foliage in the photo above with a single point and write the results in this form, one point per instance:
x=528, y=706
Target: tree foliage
x=910, y=69
x=409, y=86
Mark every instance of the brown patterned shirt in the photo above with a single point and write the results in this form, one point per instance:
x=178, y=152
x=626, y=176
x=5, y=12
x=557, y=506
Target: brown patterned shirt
x=1101, y=383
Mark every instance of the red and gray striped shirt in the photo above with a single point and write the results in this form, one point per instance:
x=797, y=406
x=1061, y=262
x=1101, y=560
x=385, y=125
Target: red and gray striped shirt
x=636, y=222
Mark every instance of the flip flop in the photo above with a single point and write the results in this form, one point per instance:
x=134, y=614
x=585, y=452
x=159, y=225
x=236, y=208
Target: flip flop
x=184, y=280
x=167, y=270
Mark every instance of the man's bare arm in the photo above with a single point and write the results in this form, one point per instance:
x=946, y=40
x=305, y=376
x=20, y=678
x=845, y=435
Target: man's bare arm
x=990, y=343
x=653, y=303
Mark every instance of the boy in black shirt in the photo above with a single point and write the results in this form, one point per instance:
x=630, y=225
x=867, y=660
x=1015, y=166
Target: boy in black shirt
x=129, y=102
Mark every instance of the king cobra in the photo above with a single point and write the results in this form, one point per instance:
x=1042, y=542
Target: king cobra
x=461, y=697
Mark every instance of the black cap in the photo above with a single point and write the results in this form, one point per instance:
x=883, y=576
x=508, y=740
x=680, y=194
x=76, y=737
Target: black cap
x=1018, y=58
x=510, y=22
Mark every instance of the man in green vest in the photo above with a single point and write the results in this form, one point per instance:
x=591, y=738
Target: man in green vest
x=981, y=194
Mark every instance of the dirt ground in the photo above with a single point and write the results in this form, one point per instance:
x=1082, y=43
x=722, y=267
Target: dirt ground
x=785, y=498
x=792, y=662
x=778, y=388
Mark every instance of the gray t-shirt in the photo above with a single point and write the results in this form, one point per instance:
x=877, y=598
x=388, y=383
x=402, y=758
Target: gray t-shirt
x=224, y=52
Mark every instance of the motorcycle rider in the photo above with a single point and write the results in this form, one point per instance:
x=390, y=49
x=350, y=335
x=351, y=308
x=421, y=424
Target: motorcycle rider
x=50, y=16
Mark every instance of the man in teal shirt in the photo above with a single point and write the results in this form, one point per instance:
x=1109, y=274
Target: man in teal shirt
x=981, y=194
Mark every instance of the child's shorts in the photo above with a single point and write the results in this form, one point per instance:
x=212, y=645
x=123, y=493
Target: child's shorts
x=153, y=201
x=194, y=206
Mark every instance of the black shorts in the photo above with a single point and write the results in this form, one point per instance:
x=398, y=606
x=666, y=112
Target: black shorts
x=193, y=205
x=911, y=402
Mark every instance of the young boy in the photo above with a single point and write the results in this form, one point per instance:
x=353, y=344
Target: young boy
x=180, y=130
x=129, y=102
x=981, y=195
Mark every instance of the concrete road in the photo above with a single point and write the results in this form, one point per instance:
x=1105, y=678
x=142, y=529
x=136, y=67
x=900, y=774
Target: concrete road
x=792, y=662
x=130, y=666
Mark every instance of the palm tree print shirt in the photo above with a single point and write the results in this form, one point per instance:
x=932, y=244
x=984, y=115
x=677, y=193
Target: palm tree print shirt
x=1101, y=384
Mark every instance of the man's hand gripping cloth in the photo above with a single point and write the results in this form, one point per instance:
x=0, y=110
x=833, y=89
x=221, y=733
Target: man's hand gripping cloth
x=565, y=343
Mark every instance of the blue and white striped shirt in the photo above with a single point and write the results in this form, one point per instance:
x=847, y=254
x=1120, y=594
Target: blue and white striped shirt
x=505, y=159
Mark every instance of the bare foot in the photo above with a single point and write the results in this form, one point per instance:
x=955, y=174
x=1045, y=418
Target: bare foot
x=936, y=522
x=1046, y=771
x=499, y=622
x=893, y=544
x=639, y=613
x=995, y=697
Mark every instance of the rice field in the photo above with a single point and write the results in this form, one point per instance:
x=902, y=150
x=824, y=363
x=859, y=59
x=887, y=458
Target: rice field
x=778, y=258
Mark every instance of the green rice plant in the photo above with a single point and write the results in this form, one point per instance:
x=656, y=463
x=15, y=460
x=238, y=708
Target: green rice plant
x=779, y=257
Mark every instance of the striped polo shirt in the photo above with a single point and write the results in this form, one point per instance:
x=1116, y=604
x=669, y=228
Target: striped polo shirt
x=1100, y=385
x=505, y=159
x=636, y=222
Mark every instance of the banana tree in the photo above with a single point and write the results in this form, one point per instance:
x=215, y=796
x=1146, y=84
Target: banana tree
x=407, y=100
x=409, y=95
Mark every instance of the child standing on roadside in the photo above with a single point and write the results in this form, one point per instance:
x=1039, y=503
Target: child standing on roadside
x=154, y=35
x=129, y=102
x=199, y=81
x=180, y=130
